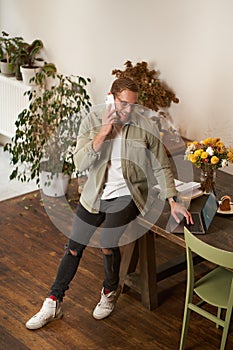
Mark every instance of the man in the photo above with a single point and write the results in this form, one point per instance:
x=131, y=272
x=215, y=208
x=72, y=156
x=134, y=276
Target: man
x=118, y=147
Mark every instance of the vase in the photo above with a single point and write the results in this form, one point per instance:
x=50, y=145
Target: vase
x=207, y=180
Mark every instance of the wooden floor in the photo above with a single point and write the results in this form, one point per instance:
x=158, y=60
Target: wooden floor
x=31, y=248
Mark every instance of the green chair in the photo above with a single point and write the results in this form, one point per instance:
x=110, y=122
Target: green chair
x=215, y=288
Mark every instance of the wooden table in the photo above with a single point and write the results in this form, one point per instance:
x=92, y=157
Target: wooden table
x=142, y=252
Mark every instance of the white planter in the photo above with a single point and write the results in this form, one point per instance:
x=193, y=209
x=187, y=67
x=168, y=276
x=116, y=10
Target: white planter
x=39, y=62
x=54, y=186
x=28, y=74
x=5, y=70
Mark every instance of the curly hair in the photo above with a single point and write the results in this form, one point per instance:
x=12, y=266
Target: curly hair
x=122, y=84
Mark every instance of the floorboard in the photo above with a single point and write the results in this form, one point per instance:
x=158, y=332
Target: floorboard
x=30, y=250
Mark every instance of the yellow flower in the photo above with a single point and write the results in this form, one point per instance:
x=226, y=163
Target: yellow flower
x=207, y=141
x=230, y=156
x=214, y=160
x=192, y=144
x=192, y=158
x=198, y=152
x=211, y=152
x=204, y=155
x=220, y=146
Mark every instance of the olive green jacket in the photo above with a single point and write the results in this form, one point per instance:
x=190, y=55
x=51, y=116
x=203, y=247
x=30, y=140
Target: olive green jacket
x=144, y=161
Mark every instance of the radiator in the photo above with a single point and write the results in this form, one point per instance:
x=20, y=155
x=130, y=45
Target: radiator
x=12, y=102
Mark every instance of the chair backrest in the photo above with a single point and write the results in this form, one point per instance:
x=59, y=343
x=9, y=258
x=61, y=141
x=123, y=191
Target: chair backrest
x=215, y=255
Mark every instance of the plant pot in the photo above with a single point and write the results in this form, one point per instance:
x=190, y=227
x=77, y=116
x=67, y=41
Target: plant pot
x=54, y=185
x=39, y=62
x=6, y=68
x=28, y=73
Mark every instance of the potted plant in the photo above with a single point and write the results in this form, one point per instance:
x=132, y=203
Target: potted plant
x=153, y=92
x=47, y=76
x=8, y=49
x=46, y=131
x=20, y=59
x=28, y=55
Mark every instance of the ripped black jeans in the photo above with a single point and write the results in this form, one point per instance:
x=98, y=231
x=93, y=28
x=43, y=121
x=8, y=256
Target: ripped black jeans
x=113, y=217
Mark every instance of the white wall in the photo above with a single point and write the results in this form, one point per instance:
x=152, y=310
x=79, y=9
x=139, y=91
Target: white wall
x=189, y=41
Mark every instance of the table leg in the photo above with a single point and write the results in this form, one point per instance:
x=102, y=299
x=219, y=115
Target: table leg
x=141, y=254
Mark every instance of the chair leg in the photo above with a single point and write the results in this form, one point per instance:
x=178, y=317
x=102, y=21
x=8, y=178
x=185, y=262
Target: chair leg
x=226, y=328
x=186, y=318
x=218, y=315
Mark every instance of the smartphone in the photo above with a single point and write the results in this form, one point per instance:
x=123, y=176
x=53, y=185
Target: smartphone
x=110, y=101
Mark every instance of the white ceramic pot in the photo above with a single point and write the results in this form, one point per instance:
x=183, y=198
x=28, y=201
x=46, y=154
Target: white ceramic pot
x=39, y=62
x=5, y=68
x=54, y=186
x=28, y=74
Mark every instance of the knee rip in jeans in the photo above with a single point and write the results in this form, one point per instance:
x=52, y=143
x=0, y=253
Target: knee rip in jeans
x=72, y=252
x=107, y=251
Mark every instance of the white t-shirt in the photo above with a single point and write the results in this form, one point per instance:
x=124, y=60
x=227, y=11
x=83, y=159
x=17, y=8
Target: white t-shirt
x=115, y=185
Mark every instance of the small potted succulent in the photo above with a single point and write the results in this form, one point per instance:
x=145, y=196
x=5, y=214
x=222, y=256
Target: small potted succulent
x=46, y=131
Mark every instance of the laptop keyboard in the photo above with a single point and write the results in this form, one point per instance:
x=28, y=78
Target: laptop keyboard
x=196, y=227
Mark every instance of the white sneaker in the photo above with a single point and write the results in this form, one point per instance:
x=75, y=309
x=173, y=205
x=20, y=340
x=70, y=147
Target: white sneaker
x=106, y=304
x=51, y=310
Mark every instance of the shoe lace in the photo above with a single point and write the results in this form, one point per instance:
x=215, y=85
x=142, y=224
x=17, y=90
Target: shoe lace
x=106, y=301
x=44, y=312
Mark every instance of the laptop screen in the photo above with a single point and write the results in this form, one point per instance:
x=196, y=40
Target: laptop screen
x=209, y=210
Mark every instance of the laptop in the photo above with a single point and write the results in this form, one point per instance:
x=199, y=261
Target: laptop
x=202, y=219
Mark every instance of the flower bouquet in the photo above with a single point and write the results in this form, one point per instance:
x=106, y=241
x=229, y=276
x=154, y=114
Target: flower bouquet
x=209, y=155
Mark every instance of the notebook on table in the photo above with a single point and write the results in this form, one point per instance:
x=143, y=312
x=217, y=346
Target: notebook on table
x=202, y=219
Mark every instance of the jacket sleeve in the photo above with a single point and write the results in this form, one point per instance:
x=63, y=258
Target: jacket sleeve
x=84, y=155
x=161, y=168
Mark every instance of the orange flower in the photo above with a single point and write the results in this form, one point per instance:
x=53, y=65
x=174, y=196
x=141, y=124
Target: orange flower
x=230, y=156
x=215, y=140
x=207, y=141
x=220, y=146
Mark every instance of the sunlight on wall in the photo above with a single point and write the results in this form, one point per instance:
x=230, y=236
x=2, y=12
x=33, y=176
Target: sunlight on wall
x=188, y=41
